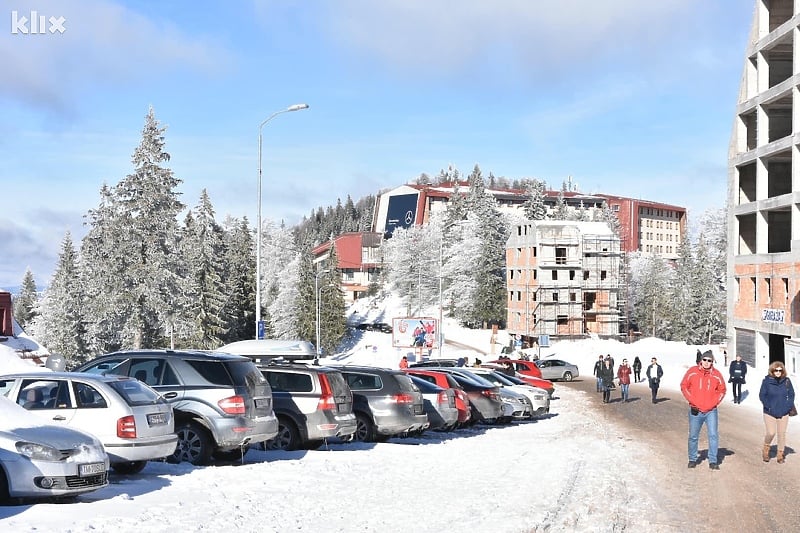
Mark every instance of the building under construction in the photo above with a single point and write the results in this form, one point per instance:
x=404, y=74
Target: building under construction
x=563, y=280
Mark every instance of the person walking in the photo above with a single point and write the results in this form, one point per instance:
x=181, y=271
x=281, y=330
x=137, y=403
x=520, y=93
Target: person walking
x=654, y=374
x=624, y=377
x=704, y=388
x=596, y=372
x=737, y=373
x=637, y=369
x=607, y=377
x=777, y=398
x=403, y=362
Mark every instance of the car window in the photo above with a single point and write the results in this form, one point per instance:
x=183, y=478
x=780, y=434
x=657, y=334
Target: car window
x=35, y=393
x=289, y=382
x=212, y=371
x=245, y=373
x=337, y=382
x=452, y=383
x=105, y=367
x=88, y=397
x=429, y=379
x=363, y=381
x=134, y=393
x=406, y=385
x=6, y=385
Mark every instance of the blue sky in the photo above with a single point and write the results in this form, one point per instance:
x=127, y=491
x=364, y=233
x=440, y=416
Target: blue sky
x=627, y=97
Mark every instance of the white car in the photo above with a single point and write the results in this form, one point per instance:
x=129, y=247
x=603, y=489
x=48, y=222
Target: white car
x=538, y=397
x=134, y=423
x=38, y=460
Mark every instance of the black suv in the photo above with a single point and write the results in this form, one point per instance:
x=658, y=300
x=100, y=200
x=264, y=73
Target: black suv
x=312, y=403
x=222, y=403
x=385, y=401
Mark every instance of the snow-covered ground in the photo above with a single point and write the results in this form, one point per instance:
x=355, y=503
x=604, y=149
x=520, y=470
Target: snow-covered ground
x=548, y=475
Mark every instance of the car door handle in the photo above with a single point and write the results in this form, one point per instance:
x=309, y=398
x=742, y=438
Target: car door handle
x=170, y=395
x=59, y=417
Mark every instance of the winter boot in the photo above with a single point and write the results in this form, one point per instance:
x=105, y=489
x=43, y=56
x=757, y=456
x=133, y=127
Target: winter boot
x=780, y=457
x=765, y=453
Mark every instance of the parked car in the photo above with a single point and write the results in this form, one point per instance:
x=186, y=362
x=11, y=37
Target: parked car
x=385, y=401
x=557, y=369
x=484, y=398
x=312, y=403
x=525, y=371
x=44, y=460
x=222, y=402
x=522, y=366
x=540, y=401
x=434, y=363
x=445, y=380
x=439, y=404
x=383, y=327
x=134, y=423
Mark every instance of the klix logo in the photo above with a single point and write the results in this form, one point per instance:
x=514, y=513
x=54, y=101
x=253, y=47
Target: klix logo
x=36, y=24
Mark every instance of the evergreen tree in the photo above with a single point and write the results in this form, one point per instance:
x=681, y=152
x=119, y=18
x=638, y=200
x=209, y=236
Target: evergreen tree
x=238, y=260
x=561, y=210
x=683, y=326
x=149, y=206
x=306, y=300
x=534, y=207
x=332, y=325
x=283, y=310
x=653, y=309
x=25, y=303
x=60, y=324
x=609, y=217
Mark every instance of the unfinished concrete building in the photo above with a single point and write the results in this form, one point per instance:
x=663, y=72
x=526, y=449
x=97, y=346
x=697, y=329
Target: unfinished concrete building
x=764, y=193
x=563, y=280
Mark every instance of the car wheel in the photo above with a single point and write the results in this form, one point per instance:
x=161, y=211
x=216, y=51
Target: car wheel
x=194, y=444
x=287, y=439
x=567, y=376
x=365, y=429
x=131, y=467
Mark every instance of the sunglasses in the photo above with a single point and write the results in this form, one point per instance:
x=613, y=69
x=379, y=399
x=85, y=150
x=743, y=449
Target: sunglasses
x=706, y=360
x=778, y=370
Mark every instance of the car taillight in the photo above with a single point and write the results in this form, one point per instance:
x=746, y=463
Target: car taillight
x=403, y=397
x=232, y=406
x=492, y=394
x=443, y=398
x=326, y=401
x=126, y=427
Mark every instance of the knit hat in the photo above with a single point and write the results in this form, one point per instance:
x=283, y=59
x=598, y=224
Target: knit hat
x=709, y=354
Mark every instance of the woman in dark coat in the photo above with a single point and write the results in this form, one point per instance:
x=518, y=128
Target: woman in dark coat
x=607, y=376
x=737, y=374
x=777, y=397
x=637, y=369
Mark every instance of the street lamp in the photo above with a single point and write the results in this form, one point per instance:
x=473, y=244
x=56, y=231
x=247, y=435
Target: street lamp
x=295, y=107
x=316, y=294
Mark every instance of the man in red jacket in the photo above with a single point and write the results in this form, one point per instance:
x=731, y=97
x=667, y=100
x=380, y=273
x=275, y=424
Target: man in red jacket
x=704, y=388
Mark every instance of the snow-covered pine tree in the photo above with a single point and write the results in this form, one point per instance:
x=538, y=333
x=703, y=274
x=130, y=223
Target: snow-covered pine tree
x=332, y=326
x=149, y=207
x=60, y=324
x=534, y=207
x=238, y=259
x=560, y=211
x=26, y=302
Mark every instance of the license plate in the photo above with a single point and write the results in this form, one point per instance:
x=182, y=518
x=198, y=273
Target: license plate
x=157, y=419
x=262, y=402
x=91, y=469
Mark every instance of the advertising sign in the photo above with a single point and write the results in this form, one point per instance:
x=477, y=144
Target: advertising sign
x=401, y=212
x=414, y=332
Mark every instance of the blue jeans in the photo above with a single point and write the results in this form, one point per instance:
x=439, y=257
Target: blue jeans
x=599, y=384
x=624, y=388
x=711, y=420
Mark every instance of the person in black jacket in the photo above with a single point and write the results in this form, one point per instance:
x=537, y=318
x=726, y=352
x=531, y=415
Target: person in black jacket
x=777, y=398
x=596, y=372
x=606, y=374
x=654, y=374
x=737, y=373
x=637, y=369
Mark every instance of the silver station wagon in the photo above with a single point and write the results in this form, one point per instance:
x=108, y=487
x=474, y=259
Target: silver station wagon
x=131, y=420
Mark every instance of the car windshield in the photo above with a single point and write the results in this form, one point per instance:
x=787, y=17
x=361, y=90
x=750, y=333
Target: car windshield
x=135, y=393
x=515, y=380
x=497, y=378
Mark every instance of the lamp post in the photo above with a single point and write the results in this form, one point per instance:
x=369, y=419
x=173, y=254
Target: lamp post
x=316, y=294
x=295, y=107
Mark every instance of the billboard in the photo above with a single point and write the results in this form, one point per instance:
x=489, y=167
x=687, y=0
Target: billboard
x=415, y=332
x=401, y=211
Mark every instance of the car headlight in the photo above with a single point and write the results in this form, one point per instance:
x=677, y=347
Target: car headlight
x=38, y=452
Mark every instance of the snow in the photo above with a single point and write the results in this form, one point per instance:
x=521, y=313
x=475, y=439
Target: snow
x=548, y=475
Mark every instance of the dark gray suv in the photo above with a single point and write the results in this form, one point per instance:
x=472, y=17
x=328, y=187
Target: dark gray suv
x=222, y=403
x=312, y=403
x=385, y=401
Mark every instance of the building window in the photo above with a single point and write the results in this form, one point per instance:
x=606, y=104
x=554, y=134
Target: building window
x=768, y=283
x=585, y=275
x=738, y=289
x=562, y=320
x=555, y=296
x=571, y=296
x=615, y=207
x=753, y=283
x=571, y=275
x=602, y=274
x=534, y=251
x=561, y=256
x=786, y=287
x=554, y=274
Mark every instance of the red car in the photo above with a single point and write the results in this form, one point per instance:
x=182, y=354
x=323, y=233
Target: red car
x=446, y=382
x=528, y=371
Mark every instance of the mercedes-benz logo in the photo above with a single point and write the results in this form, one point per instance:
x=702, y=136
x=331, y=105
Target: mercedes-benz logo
x=409, y=217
